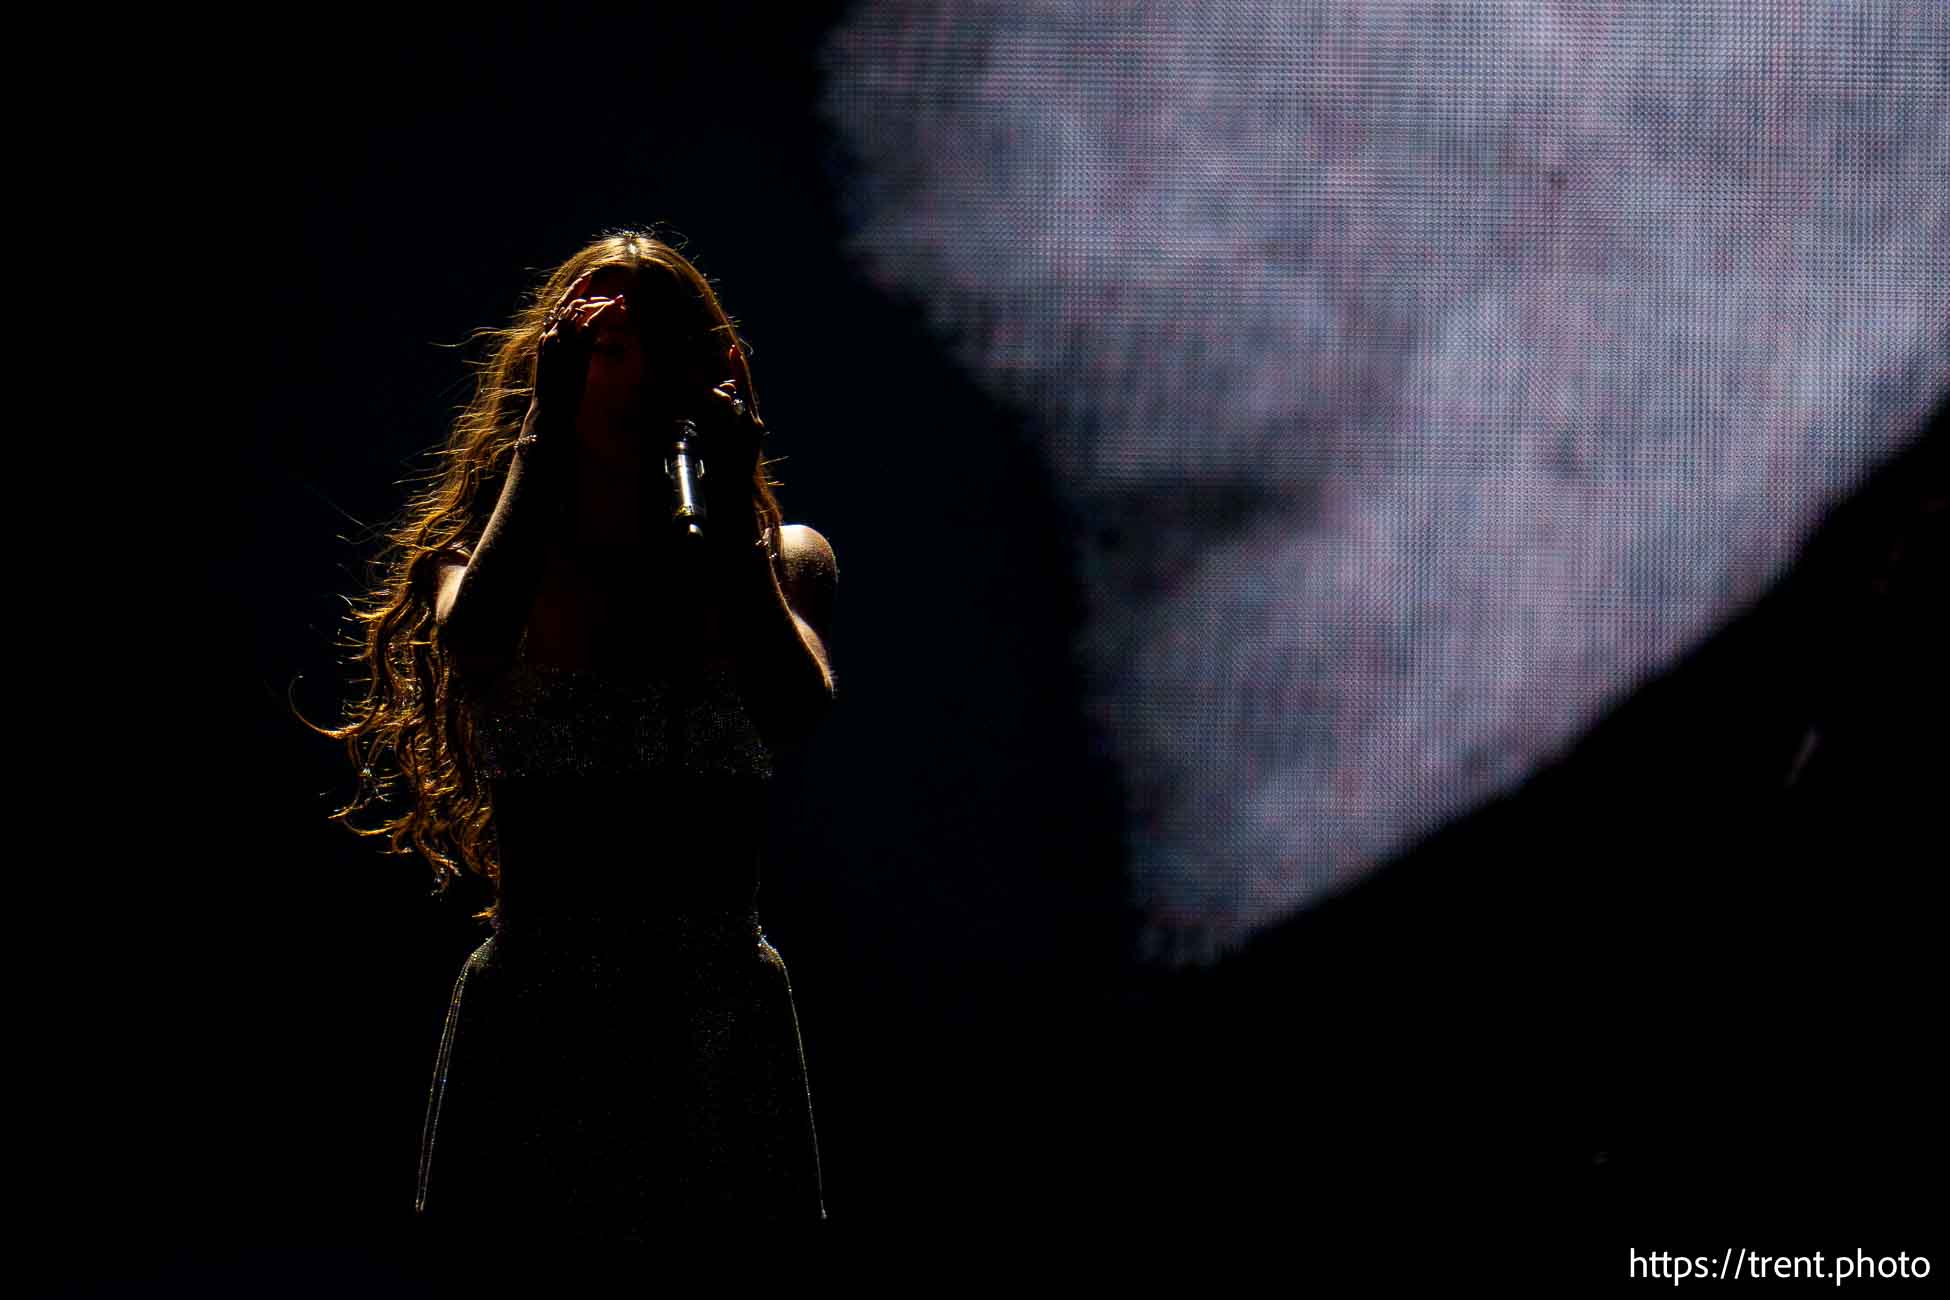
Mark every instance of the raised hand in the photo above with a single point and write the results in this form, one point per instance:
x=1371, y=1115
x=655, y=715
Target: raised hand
x=732, y=434
x=562, y=361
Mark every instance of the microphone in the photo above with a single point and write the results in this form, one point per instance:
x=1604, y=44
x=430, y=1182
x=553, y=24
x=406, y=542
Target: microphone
x=683, y=466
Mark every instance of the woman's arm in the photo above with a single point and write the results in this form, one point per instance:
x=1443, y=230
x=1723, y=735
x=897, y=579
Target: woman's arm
x=781, y=613
x=483, y=602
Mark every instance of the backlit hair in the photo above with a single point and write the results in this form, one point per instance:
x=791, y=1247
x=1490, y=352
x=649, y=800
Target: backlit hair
x=408, y=734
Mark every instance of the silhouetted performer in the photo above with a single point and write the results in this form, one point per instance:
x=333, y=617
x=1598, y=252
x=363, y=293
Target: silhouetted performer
x=582, y=692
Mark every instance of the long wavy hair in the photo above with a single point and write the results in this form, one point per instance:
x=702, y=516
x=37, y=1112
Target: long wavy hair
x=408, y=735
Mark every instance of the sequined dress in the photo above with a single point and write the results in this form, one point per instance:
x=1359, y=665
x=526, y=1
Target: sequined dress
x=622, y=1056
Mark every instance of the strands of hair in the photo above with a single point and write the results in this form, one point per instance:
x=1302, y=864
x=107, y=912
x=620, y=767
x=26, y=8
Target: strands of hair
x=408, y=736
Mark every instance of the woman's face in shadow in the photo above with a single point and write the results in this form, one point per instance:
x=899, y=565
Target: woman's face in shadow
x=641, y=373
x=617, y=382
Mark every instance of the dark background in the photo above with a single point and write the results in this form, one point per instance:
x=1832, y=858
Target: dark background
x=1661, y=997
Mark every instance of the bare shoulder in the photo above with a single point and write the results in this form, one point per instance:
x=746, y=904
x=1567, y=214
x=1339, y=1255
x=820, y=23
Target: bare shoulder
x=806, y=557
x=448, y=568
x=808, y=573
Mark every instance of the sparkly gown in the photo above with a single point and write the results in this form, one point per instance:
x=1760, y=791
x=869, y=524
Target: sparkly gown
x=622, y=1057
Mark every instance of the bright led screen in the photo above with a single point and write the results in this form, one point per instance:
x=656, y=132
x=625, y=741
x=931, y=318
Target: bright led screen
x=1425, y=377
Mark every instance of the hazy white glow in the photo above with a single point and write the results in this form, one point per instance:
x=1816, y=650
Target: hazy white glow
x=1430, y=375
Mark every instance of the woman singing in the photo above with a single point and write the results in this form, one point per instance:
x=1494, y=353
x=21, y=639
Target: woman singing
x=583, y=689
